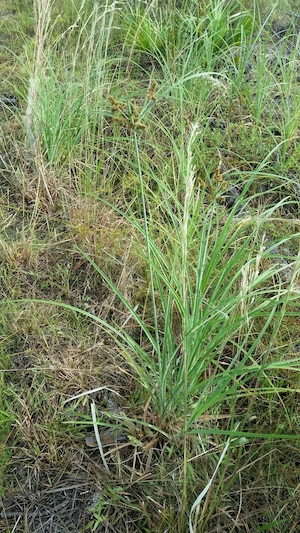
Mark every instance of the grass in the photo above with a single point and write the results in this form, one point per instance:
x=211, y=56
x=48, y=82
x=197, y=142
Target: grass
x=150, y=268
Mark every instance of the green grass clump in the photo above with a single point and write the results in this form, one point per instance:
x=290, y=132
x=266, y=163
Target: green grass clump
x=149, y=205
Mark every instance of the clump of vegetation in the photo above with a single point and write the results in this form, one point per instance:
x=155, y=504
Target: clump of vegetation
x=149, y=343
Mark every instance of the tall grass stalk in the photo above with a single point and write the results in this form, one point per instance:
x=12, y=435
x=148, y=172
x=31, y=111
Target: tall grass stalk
x=189, y=176
x=42, y=13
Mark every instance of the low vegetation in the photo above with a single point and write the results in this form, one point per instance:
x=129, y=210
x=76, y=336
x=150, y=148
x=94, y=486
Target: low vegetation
x=149, y=325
